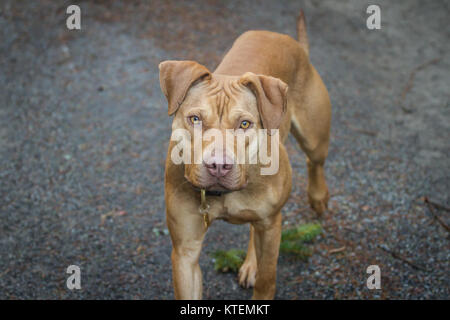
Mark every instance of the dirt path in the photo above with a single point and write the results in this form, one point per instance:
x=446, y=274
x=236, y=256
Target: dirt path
x=84, y=131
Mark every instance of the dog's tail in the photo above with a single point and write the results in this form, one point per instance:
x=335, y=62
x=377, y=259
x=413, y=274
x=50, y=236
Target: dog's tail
x=301, y=31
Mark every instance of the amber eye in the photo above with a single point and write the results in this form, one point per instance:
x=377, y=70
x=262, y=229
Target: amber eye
x=245, y=124
x=194, y=120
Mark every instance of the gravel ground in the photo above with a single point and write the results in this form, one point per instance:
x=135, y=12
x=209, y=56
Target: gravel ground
x=84, y=131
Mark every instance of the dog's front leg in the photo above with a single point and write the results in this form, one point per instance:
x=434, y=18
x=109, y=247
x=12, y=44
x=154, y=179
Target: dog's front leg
x=267, y=238
x=187, y=232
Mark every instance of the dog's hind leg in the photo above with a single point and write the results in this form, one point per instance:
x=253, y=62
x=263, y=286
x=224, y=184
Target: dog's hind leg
x=310, y=125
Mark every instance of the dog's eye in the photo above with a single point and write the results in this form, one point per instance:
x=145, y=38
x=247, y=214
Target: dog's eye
x=194, y=119
x=245, y=124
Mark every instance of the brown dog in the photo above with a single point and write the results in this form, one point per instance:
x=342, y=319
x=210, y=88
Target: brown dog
x=248, y=89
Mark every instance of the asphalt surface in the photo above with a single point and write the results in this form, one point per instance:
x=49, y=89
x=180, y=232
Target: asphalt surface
x=84, y=131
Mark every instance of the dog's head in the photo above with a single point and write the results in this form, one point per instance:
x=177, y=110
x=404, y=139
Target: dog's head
x=219, y=109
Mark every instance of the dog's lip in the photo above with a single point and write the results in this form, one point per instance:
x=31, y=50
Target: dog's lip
x=216, y=186
x=214, y=191
x=198, y=186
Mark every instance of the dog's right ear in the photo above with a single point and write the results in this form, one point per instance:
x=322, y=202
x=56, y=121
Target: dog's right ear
x=176, y=78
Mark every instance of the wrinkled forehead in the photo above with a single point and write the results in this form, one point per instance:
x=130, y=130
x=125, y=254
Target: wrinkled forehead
x=221, y=96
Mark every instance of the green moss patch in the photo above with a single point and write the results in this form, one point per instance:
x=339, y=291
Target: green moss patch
x=228, y=261
x=293, y=241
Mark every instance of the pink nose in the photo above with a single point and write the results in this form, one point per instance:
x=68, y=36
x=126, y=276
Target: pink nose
x=219, y=167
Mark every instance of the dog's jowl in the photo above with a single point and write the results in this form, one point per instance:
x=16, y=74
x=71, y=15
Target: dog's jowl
x=265, y=83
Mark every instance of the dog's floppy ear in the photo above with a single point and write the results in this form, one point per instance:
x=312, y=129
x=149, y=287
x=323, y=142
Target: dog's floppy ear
x=271, y=96
x=176, y=77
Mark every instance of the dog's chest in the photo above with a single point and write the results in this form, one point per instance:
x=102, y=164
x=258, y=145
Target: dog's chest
x=236, y=209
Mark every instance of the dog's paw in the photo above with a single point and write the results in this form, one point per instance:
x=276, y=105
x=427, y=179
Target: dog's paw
x=247, y=274
x=319, y=204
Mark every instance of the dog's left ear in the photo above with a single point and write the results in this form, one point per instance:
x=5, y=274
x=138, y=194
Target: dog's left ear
x=271, y=96
x=177, y=77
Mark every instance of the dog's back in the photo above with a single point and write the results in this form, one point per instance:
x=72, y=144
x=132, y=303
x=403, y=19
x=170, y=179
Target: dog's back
x=253, y=49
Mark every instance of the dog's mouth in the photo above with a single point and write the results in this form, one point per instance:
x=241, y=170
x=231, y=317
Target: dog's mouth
x=216, y=187
x=213, y=191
